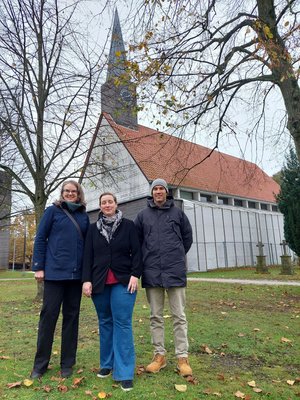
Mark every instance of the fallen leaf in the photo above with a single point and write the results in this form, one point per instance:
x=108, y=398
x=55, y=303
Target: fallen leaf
x=47, y=388
x=206, y=349
x=77, y=381
x=145, y=307
x=224, y=313
x=27, y=382
x=285, y=340
x=239, y=395
x=4, y=358
x=241, y=335
x=88, y=392
x=55, y=352
x=221, y=377
x=80, y=371
x=102, y=395
x=217, y=394
x=257, y=390
x=167, y=316
x=140, y=370
x=291, y=383
x=191, y=380
x=256, y=330
x=251, y=383
x=181, y=388
x=14, y=384
x=62, y=388
x=56, y=378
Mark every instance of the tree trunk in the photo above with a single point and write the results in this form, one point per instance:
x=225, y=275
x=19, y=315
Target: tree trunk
x=40, y=205
x=281, y=65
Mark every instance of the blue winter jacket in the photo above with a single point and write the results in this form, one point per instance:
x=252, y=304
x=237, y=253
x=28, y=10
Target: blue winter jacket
x=165, y=234
x=58, y=246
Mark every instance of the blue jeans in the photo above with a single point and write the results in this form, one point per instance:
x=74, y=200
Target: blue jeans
x=114, y=308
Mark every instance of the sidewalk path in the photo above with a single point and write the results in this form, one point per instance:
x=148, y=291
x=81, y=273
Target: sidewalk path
x=220, y=280
x=247, y=281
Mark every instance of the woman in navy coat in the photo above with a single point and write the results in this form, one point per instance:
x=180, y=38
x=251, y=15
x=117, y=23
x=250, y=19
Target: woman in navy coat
x=57, y=260
x=111, y=268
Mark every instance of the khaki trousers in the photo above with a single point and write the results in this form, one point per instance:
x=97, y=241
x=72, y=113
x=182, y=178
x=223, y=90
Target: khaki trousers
x=156, y=299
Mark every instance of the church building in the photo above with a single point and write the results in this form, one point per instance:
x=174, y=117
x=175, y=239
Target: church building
x=229, y=201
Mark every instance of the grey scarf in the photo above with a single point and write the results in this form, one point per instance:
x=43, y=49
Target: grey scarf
x=108, y=225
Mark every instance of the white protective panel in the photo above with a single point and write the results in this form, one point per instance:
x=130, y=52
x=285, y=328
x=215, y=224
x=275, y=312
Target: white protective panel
x=225, y=236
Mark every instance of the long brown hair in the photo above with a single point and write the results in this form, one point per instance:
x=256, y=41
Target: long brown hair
x=80, y=194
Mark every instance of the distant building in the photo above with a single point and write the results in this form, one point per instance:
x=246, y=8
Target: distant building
x=5, y=207
x=229, y=201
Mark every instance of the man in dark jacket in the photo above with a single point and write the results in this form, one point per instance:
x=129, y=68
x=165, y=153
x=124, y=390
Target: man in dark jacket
x=166, y=236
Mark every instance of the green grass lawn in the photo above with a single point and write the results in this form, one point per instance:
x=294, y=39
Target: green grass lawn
x=8, y=274
x=248, y=273
x=238, y=273
x=238, y=334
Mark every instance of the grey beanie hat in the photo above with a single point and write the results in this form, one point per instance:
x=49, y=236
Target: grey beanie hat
x=159, y=182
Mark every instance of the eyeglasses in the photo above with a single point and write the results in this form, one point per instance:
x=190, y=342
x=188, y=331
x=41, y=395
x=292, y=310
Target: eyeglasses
x=70, y=191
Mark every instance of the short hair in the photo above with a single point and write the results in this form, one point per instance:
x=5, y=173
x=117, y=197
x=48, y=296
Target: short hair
x=108, y=194
x=80, y=194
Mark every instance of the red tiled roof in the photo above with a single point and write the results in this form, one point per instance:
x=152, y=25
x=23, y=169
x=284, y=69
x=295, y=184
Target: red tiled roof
x=189, y=165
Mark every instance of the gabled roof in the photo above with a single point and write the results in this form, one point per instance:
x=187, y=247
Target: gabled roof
x=192, y=166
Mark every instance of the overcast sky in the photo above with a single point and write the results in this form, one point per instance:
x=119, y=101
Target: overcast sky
x=268, y=152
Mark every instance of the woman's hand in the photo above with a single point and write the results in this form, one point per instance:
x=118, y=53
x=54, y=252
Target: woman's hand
x=133, y=284
x=39, y=275
x=87, y=289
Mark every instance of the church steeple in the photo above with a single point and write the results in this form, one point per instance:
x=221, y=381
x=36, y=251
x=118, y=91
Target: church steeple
x=118, y=93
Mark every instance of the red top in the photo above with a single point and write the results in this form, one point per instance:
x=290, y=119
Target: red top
x=111, y=279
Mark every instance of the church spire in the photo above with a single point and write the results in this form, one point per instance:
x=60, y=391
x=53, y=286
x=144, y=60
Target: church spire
x=119, y=99
x=117, y=55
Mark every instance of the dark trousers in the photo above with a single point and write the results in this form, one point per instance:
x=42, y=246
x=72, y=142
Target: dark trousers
x=56, y=294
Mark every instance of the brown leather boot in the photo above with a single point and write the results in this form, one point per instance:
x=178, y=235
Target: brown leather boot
x=183, y=366
x=159, y=361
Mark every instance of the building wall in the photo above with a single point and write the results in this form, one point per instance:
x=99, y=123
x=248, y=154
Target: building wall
x=5, y=206
x=227, y=236
x=111, y=168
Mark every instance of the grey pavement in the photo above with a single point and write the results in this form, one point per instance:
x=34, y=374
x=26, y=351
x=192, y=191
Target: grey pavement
x=220, y=280
x=247, y=281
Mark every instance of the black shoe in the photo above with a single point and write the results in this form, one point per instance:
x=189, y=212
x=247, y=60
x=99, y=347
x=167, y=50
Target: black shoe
x=104, y=373
x=126, y=385
x=36, y=374
x=66, y=372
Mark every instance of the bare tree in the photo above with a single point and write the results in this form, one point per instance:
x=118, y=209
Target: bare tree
x=209, y=62
x=48, y=85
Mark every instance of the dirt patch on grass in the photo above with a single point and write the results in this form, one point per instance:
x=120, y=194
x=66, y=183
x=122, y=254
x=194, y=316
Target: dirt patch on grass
x=234, y=363
x=230, y=362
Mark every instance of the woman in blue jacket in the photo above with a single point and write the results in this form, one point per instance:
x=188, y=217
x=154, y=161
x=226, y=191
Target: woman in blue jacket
x=57, y=260
x=111, y=268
